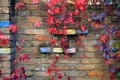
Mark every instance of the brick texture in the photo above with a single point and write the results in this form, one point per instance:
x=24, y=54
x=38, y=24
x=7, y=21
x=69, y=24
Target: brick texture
x=86, y=64
x=5, y=50
x=80, y=66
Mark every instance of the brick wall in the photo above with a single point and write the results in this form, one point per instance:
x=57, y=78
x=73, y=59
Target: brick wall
x=5, y=50
x=78, y=67
x=86, y=64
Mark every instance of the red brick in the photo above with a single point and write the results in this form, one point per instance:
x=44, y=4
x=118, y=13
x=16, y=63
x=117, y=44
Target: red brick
x=4, y=3
x=4, y=63
x=30, y=67
x=33, y=7
x=88, y=78
x=64, y=67
x=29, y=73
x=33, y=19
x=36, y=50
x=27, y=1
x=4, y=10
x=90, y=61
x=72, y=61
x=96, y=73
x=25, y=25
x=102, y=67
x=84, y=55
x=42, y=37
x=85, y=67
x=5, y=70
x=5, y=57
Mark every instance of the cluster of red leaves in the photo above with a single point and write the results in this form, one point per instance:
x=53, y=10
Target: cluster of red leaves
x=19, y=5
x=35, y=1
x=58, y=18
x=13, y=28
x=80, y=4
x=19, y=73
x=103, y=38
x=3, y=38
x=53, y=68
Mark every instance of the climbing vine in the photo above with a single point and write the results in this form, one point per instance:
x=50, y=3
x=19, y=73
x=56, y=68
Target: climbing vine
x=61, y=21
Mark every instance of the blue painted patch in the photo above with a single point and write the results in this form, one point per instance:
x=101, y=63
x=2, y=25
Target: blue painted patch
x=82, y=32
x=45, y=50
x=4, y=23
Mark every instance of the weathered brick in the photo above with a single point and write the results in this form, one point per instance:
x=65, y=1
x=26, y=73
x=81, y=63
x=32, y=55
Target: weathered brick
x=85, y=67
x=72, y=61
x=96, y=73
x=42, y=37
x=4, y=16
x=5, y=57
x=36, y=50
x=102, y=67
x=76, y=73
x=83, y=55
x=40, y=73
x=4, y=9
x=4, y=30
x=90, y=61
x=4, y=63
x=33, y=7
x=33, y=19
x=36, y=31
x=5, y=70
x=29, y=73
x=30, y=67
x=64, y=67
x=89, y=78
x=25, y=25
x=4, y=3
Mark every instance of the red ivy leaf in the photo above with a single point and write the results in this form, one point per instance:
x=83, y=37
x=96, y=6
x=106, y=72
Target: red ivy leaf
x=53, y=41
x=57, y=10
x=35, y=1
x=24, y=75
x=52, y=30
x=49, y=70
x=56, y=58
x=23, y=40
x=25, y=57
x=52, y=78
x=59, y=76
x=19, y=5
x=68, y=78
x=18, y=59
x=12, y=75
x=19, y=47
x=107, y=61
x=103, y=38
x=0, y=72
x=56, y=69
x=38, y=24
x=76, y=12
x=83, y=28
x=22, y=69
x=13, y=28
x=6, y=78
x=53, y=64
x=98, y=46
